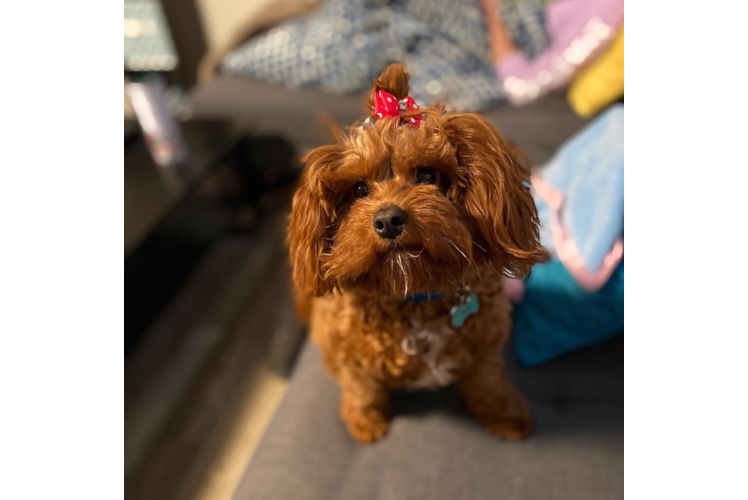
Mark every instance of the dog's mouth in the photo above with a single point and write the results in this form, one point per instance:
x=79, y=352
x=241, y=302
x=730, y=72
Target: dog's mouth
x=400, y=247
x=404, y=268
x=429, y=255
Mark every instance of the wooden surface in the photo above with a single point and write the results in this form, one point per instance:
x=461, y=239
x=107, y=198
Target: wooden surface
x=198, y=390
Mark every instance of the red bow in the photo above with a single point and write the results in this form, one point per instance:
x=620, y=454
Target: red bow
x=386, y=104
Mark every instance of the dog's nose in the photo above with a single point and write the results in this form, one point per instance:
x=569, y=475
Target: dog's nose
x=389, y=222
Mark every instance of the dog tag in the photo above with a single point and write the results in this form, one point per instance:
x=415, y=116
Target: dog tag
x=469, y=305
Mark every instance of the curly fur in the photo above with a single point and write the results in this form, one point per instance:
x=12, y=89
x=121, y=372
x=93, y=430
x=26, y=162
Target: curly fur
x=477, y=223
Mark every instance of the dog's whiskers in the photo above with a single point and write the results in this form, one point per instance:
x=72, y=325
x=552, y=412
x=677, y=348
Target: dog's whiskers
x=476, y=244
x=457, y=248
x=405, y=274
x=392, y=273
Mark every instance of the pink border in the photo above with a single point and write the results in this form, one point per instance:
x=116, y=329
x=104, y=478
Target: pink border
x=567, y=250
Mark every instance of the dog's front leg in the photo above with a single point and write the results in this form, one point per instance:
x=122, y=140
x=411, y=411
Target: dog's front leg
x=364, y=407
x=494, y=400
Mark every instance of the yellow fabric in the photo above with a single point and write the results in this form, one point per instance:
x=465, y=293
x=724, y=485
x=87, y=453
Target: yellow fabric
x=601, y=83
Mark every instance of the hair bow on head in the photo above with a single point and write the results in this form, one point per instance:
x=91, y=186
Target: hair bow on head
x=387, y=105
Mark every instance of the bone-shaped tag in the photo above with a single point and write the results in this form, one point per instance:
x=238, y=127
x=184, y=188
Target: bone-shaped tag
x=461, y=312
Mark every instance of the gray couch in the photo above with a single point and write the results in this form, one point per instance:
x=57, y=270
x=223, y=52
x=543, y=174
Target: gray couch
x=434, y=450
x=299, y=115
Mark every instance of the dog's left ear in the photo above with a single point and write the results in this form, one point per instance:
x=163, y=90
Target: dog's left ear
x=493, y=194
x=311, y=219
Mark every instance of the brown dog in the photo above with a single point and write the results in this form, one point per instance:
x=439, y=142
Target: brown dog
x=399, y=237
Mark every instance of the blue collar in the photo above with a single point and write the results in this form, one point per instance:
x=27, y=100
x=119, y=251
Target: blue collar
x=467, y=305
x=419, y=297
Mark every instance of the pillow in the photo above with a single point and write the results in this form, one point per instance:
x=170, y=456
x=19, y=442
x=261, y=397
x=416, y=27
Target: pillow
x=579, y=195
x=576, y=298
x=557, y=315
x=579, y=30
x=600, y=84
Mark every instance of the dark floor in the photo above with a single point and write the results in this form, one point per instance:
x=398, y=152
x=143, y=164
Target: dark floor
x=198, y=362
x=210, y=331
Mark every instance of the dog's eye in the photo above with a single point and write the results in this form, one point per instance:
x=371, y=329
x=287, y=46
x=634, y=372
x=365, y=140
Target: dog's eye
x=360, y=190
x=427, y=176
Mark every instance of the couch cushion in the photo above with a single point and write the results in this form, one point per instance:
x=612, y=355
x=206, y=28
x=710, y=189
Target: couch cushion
x=299, y=115
x=435, y=451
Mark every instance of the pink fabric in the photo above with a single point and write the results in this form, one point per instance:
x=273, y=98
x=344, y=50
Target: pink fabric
x=515, y=289
x=387, y=105
x=579, y=30
x=567, y=251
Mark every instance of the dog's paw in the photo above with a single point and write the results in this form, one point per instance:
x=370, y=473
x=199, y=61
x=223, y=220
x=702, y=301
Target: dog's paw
x=504, y=413
x=511, y=428
x=367, y=427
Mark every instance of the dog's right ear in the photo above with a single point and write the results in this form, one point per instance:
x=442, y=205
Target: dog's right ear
x=312, y=221
x=494, y=194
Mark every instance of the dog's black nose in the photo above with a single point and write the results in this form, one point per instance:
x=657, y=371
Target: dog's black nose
x=389, y=222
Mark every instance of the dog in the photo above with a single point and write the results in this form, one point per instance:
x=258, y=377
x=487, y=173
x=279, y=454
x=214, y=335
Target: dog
x=400, y=235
